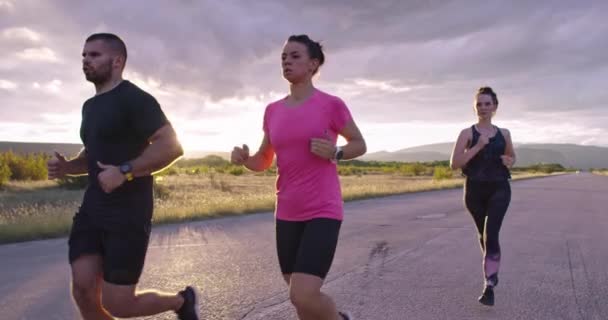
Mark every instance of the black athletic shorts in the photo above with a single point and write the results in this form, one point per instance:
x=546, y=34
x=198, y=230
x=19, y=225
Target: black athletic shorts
x=307, y=246
x=122, y=246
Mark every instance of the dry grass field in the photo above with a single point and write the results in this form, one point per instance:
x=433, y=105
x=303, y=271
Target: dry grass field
x=41, y=209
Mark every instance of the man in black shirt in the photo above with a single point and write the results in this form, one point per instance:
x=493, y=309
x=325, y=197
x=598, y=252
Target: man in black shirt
x=126, y=138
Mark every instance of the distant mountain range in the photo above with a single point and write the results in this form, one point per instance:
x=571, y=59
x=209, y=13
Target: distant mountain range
x=568, y=155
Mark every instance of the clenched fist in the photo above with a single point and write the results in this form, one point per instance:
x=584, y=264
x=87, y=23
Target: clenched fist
x=484, y=139
x=323, y=148
x=57, y=167
x=507, y=161
x=239, y=155
x=110, y=177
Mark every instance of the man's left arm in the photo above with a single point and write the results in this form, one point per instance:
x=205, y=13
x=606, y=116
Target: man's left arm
x=148, y=122
x=163, y=150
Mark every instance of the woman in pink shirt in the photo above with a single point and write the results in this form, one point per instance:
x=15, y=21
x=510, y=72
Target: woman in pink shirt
x=302, y=130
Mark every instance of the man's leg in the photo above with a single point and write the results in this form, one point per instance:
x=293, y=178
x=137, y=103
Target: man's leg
x=125, y=253
x=86, y=287
x=86, y=263
x=122, y=301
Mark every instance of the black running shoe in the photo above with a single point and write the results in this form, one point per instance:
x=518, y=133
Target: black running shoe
x=189, y=310
x=487, y=297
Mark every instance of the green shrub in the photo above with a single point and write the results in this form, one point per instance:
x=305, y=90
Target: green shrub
x=28, y=167
x=236, y=171
x=73, y=182
x=543, y=168
x=442, y=172
x=5, y=173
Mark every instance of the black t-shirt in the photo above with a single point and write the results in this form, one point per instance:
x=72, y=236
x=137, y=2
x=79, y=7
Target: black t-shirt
x=116, y=127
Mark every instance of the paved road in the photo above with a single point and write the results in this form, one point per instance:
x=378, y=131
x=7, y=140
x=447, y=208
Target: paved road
x=403, y=257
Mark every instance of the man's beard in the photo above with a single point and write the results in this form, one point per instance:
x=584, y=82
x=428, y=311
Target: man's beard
x=102, y=75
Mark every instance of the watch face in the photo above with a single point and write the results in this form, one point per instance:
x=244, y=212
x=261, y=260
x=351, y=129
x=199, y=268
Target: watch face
x=340, y=155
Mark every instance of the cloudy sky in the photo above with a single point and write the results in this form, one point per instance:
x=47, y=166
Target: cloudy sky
x=408, y=69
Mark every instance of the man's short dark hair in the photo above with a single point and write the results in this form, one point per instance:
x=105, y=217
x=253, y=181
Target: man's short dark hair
x=111, y=39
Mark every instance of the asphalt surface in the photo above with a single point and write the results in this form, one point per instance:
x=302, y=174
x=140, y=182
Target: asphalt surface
x=412, y=256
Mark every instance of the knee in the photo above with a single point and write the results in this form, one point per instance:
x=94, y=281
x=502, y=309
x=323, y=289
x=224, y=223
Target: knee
x=492, y=243
x=302, y=298
x=287, y=278
x=85, y=294
x=492, y=250
x=493, y=256
x=120, y=308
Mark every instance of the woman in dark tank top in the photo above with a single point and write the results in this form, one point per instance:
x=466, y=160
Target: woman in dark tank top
x=485, y=153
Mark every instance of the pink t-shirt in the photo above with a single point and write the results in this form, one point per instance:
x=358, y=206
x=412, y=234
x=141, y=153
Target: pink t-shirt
x=307, y=185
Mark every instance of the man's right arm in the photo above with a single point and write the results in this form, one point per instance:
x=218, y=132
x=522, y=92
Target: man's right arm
x=78, y=165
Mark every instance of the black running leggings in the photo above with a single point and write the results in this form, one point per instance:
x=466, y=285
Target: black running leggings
x=307, y=246
x=487, y=201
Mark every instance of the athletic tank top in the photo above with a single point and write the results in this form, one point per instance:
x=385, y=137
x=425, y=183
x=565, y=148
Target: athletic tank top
x=487, y=164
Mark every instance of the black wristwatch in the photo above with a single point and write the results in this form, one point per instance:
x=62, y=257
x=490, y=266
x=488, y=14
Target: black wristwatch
x=339, y=154
x=127, y=169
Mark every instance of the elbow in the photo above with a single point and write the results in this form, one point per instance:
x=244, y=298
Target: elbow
x=454, y=165
x=357, y=148
x=171, y=145
x=258, y=162
x=178, y=151
x=267, y=163
x=363, y=148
